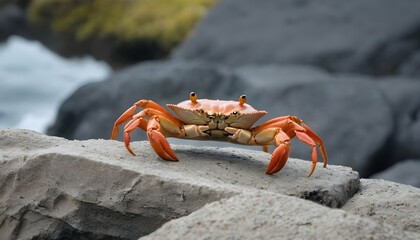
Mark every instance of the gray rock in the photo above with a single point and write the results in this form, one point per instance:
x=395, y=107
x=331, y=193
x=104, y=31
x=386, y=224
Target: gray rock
x=411, y=67
x=276, y=75
x=273, y=216
x=406, y=172
x=54, y=188
x=403, y=96
x=388, y=202
x=355, y=36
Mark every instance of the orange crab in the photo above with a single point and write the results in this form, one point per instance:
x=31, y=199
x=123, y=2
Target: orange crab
x=205, y=119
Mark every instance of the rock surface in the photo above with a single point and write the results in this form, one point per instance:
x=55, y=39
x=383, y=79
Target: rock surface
x=55, y=188
x=406, y=172
x=403, y=96
x=272, y=216
x=411, y=67
x=388, y=202
x=356, y=36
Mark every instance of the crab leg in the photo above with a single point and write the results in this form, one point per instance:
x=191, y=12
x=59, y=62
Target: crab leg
x=124, y=117
x=308, y=140
x=129, y=113
x=265, y=148
x=131, y=126
x=300, y=127
x=318, y=140
x=277, y=122
x=154, y=105
x=139, y=120
x=287, y=126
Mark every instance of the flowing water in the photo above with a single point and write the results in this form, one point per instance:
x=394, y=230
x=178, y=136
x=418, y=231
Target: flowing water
x=34, y=81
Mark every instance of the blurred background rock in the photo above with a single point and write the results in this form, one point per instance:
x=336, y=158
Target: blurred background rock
x=350, y=69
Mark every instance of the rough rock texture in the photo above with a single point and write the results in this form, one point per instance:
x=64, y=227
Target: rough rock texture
x=306, y=92
x=374, y=37
x=272, y=216
x=55, y=188
x=406, y=172
x=388, y=202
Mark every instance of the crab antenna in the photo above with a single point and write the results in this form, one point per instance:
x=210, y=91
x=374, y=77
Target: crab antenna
x=193, y=97
x=242, y=99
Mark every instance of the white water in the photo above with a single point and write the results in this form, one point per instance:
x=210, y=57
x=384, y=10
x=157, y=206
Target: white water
x=34, y=81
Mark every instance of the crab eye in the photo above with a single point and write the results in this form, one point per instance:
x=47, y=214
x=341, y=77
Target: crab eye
x=242, y=99
x=235, y=113
x=200, y=110
x=193, y=97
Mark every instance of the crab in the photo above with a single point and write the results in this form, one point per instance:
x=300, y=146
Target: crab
x=220, y=120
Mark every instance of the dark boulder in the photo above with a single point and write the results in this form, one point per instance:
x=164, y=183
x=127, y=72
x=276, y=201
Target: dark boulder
x=411, y=67
x=373, y=37
x=403, y=96
x=406, y=172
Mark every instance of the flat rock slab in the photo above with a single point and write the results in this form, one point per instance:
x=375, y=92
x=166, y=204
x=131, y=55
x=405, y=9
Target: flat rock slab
x=388, y=202
x=96, y=187
x=274, y=216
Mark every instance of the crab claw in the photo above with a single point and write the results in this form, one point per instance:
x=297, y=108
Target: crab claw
x=158, y=141
x=280, y=154
x=278, y=159
x=161, y=145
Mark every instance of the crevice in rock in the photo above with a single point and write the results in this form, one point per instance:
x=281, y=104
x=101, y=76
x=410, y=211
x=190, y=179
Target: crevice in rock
x=136, y=182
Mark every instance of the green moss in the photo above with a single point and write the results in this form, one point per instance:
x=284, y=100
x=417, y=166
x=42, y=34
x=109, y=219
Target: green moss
x=166, y=22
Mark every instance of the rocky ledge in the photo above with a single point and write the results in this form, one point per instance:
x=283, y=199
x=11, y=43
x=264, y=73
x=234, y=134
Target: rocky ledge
x=53, y=188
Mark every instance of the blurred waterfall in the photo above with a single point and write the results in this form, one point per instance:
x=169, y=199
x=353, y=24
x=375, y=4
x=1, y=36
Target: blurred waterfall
x=34, y=81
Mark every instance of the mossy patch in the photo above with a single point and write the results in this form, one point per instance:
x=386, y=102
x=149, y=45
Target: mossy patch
x=164, y=22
